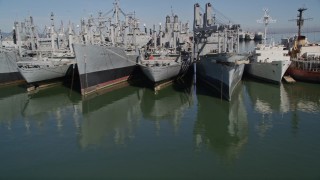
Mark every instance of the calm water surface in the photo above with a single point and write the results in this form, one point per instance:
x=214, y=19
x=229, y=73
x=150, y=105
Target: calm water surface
x=266, y=132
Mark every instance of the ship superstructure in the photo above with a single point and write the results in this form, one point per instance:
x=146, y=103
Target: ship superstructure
x=108, y=52
x=169, y=53
x=47, y=57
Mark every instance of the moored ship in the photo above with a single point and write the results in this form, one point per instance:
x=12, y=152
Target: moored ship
x=220, y=65
x=169, y=53
x=8, y=64
x=108, y=55
x=101, y=66
x=46, y=58
x=159, y=68
x=268, y=62
x=36, y=70
x=8, y=67
x=307, y=66
x=222, y=71
x=305, y=56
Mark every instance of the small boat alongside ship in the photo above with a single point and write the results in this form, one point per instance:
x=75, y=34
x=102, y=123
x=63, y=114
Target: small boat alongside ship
x=216, y=48
x=268, y=62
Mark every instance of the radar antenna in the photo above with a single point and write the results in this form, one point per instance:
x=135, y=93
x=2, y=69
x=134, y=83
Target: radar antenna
x=266, y=19
x=300, y=20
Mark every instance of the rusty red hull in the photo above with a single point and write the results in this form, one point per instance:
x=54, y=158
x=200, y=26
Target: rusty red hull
x=303, y=75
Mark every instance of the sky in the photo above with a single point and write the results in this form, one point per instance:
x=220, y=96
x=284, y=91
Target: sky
x=244, y=12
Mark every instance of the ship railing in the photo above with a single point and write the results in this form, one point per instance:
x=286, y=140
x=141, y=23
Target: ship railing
x=307, y=65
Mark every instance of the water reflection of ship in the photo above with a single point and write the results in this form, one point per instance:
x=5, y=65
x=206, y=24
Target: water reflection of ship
x=167, y=105
x=268, y=98
x=12, y=100
x=221, y=125
x=54, y=102
x=111, y=115
x=304, y=97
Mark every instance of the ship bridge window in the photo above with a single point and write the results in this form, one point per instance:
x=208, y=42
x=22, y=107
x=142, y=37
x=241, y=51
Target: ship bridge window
x=258, y=54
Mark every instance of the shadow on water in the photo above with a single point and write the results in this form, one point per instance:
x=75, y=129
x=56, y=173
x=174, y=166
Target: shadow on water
x=221, y=125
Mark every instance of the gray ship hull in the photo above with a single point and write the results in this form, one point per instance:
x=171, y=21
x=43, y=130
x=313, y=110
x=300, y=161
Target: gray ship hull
x=270, y=72
x=160, y=73
x=102, y=66
x=222, y=76
x=36, y=71
x=8, y=68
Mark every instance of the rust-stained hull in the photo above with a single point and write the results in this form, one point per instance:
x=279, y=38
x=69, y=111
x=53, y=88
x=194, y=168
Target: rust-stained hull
x=304, y=75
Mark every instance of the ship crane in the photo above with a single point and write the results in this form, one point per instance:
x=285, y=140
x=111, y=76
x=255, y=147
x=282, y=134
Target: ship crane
x=205, y=25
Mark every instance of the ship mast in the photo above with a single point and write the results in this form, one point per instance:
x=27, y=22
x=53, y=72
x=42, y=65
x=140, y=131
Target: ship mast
x=300, y=20
x=52, y=33
x=0, y=40
x=266, y=19
x=17, y=30
x=204, y=26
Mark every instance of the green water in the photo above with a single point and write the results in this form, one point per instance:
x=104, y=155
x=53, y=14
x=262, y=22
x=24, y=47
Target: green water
x=266, y=132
